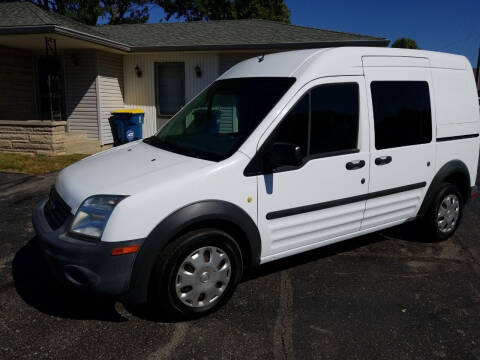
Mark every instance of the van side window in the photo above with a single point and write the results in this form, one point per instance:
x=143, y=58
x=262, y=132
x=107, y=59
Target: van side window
x=334, y=118
x=294, y=127
x=324, y=122
x=402, y=114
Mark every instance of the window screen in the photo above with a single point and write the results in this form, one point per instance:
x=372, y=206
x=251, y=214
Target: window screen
x=334, y=118
x=402, y=114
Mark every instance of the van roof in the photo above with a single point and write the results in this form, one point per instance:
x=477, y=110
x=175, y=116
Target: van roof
x=313, y=63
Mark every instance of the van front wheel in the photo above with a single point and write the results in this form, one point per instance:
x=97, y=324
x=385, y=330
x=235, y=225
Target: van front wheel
x=445, y=213
x=197, y=273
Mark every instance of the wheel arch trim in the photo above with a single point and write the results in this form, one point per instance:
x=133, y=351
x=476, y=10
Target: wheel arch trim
x=450, y=168
x=178, y=221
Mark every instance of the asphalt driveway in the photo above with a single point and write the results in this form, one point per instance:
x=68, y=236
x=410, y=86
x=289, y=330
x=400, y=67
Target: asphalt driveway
x=382, y=296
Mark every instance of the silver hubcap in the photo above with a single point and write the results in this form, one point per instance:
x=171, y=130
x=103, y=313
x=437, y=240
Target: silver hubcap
x=203, y=276
x=448, y=213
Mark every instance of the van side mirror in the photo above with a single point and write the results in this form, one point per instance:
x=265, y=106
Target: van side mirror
x=283, y=154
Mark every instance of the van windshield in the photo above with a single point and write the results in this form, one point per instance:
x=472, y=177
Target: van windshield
x=219, y=120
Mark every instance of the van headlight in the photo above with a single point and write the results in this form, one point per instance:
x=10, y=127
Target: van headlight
x=93, y=214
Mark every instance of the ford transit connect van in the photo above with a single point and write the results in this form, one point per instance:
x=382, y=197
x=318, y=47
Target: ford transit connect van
x=282, y=154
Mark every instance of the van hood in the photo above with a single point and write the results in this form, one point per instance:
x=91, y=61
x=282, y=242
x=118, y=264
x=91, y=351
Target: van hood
x=124, y=170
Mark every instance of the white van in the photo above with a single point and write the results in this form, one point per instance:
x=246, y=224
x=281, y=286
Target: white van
x=282, y=154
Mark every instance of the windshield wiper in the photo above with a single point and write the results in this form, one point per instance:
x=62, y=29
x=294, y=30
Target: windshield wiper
x=162, y=144
x=152, y=140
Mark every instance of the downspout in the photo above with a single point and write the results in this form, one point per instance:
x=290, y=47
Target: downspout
x=64, y=67
x=99, y=100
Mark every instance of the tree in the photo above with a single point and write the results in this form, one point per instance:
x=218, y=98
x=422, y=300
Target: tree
x=125, y=12
x=405, y=43
x=88, y=11
x=192, y=10
x=275, y=10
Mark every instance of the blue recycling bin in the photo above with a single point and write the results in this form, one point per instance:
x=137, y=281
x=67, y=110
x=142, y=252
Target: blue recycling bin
x=126, y=125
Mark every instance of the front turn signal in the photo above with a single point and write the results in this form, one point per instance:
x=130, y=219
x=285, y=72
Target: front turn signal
x=125, y=250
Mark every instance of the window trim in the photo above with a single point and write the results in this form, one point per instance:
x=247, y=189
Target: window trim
x=254, y=169
x=373, y=113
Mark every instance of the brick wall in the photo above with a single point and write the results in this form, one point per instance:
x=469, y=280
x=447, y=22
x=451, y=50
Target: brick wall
x=32, y=137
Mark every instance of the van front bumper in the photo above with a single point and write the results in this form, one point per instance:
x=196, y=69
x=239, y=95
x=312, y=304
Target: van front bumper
x=81, y=263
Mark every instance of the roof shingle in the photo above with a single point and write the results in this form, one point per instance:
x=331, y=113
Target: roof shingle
x=223, y=32
x=27, y=14
x=185, y=35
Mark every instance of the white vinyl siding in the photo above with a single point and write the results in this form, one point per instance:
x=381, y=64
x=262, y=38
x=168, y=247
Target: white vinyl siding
x=140, y=92
x=81, y=93
x=110, y=88
x=225, y=109
x=227, y=60
x=228, y=120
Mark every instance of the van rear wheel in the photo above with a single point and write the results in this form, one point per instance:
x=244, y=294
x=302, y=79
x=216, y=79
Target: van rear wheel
x=196, y=274
x=445, y=213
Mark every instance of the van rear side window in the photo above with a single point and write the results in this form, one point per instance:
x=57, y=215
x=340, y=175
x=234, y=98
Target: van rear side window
x=402, y=113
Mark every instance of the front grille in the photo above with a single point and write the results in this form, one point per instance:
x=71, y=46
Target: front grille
x=56, y=210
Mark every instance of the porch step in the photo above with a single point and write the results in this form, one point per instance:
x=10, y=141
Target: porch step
x=78, y=143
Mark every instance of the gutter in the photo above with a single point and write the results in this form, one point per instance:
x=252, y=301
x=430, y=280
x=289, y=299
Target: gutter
x=55, y=29
x=276, y=46
x=20, y=30
x=92, y=38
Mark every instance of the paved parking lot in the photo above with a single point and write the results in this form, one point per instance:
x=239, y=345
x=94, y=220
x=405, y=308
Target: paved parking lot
x=382, y=296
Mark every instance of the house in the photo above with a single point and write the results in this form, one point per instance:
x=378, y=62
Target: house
x=60, y=79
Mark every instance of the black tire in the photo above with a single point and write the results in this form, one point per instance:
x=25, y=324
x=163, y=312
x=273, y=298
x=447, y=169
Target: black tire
x=163, y=293
x=430, y=221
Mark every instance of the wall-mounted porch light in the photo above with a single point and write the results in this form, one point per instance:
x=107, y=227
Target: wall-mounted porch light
x=138, y=71
x=198, y=71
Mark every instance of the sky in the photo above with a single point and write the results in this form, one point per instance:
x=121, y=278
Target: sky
x=449, y=26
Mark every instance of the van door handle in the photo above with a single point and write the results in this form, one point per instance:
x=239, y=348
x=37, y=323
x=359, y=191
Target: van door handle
x=383, y=160
x=356, y=164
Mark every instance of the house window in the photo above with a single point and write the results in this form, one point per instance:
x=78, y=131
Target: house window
x=170, y=87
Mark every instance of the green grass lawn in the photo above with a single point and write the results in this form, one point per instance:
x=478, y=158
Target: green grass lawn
x=36, y=164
